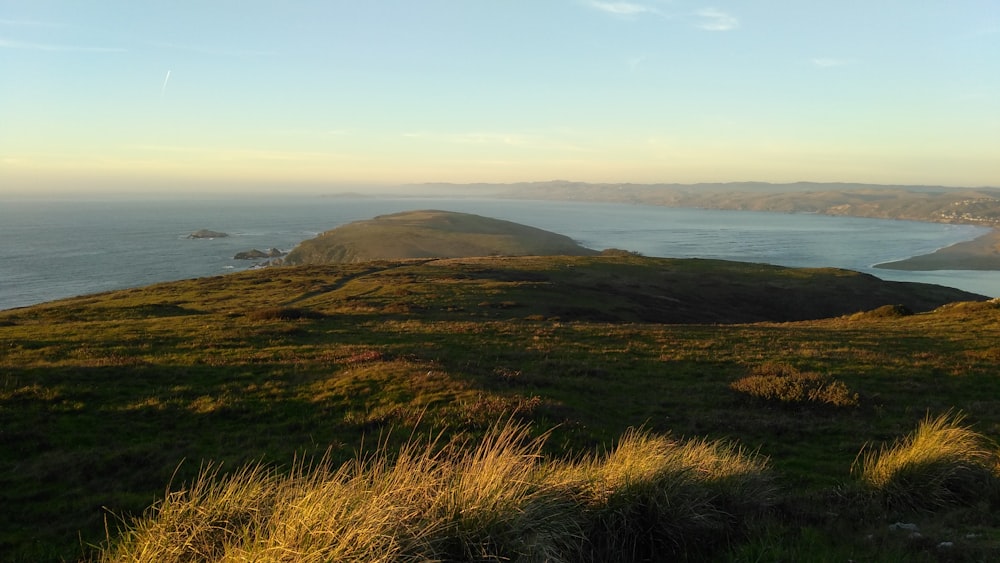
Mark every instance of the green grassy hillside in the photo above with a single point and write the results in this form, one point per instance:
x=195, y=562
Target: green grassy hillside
x=107, y=399
x=431, y=234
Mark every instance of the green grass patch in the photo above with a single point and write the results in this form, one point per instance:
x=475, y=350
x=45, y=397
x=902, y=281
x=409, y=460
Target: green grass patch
x=103, y=398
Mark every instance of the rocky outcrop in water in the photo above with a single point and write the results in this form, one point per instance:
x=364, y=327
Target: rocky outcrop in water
x=205, y=233
x=254, y=254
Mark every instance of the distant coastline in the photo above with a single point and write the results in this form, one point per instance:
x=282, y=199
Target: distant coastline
x=982, y=253
x=933, y=204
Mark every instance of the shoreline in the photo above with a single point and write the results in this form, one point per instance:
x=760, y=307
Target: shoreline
x=982, y=253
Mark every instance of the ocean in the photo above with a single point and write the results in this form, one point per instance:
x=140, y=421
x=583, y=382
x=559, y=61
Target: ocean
x=56, y=248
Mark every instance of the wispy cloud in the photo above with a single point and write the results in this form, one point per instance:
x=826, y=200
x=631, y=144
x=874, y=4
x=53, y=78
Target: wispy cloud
x=313, y=133
x=56, y=47
x=488, y=138
x=29, y=23
x=211, y=50
x=238, y=153
x=630, y=10
x=622, y=8
x=830, y=62
x=473, y=138
x=166, y=79
x=712, y=19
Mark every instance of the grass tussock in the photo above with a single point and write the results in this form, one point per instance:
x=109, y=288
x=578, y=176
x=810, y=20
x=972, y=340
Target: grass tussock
x=782, y=383
x=282, y=314
x=884, y=312
x=499, y=500
x=654, y=497
x=941, y=463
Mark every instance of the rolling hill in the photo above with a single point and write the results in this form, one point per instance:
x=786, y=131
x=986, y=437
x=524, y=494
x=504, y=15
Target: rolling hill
x=430, y=234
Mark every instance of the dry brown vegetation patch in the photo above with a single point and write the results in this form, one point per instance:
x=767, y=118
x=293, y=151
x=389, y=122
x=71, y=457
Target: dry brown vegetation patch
x=782, y=383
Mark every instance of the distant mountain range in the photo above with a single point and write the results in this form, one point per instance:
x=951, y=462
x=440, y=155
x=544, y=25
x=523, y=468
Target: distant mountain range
x=940, y=204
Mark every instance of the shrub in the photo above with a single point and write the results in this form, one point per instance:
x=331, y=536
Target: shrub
x=784, y=384
x=939, y=464
x=487, y=408
x=282, y=314
x=889, y=312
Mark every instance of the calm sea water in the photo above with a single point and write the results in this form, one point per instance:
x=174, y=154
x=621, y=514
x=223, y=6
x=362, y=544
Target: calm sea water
x=54, y=249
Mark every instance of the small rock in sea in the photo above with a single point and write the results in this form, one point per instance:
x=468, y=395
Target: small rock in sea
x=205, y=233
x=903, y=526
x=946, y=545
x=254, y=254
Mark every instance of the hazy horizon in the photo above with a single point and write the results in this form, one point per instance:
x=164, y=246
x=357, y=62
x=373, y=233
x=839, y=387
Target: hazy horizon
x=309, y=97
x=423, y=190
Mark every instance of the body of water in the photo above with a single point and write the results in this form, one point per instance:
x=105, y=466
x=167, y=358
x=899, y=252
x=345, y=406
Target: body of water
x=55, y=248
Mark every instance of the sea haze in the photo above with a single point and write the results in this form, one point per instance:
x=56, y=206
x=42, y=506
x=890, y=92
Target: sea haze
x=55, y=248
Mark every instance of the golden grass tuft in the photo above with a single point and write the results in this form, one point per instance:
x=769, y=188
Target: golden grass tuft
x=498, y=500
x=941, y=463
x=654, y=496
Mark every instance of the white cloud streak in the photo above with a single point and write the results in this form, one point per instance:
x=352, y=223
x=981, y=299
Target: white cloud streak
x=713, y=19
x=622, y=8
x=56, y=48
x=29, y=23
x=238, y=153
x=495, y=139
x=213, y=51
x=630, y=10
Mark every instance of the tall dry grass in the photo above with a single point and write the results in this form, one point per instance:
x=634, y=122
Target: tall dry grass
x=942, y=462
x=653, y=496
x=498, y=500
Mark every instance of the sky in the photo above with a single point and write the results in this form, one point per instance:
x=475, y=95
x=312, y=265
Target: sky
x=305, y=95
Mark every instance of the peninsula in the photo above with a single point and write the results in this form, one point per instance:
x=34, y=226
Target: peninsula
x=982, y=253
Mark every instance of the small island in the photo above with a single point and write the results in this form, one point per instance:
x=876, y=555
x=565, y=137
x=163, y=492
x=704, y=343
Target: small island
x=205, y=233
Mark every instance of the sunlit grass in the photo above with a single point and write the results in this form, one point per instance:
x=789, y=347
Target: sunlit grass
x=942, y=462
x=781, y=383
x=497, y=500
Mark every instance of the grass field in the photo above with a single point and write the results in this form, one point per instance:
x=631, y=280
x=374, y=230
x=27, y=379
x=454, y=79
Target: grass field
x=108, y=401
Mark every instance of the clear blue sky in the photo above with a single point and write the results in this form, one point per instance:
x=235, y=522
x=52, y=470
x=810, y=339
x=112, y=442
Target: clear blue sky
x=303, y=95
